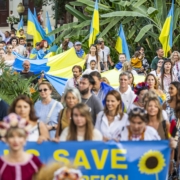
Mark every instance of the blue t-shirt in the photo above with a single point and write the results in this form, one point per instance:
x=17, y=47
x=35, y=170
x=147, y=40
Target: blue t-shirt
x=42, y=111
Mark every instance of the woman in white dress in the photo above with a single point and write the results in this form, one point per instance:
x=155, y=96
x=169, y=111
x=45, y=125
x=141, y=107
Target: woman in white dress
x=137, y=129
x=111, y=121
x=81, y=126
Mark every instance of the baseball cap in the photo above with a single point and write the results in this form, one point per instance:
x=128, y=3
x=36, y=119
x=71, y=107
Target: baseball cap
x=98, y=42
x=100, y=39
x=78, y=43
x=38, y=43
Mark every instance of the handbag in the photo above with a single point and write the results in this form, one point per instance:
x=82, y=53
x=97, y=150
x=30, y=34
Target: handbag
x=50, y=113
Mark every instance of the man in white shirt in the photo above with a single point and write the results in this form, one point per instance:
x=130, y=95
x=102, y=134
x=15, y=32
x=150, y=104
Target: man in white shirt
x=127, y=95
x=74, y=82
x=106, y=51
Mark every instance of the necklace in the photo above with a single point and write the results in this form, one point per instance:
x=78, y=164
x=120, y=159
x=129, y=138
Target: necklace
x=130, y=135
x=87, y=99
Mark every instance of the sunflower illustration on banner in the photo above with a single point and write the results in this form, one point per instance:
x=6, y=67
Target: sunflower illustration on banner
x=152, y=162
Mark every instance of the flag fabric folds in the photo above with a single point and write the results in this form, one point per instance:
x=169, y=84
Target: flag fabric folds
x=20, y=26
x=121, y=43
x=94, y=30
x=56, y=68
x=35, y=14
x=35, y=29
x=167, y=31
x=57, y=82
x=48, y=27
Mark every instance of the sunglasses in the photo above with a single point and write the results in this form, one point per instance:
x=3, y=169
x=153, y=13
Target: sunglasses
x=160, y=61
x=40, y=90
x=140, y=111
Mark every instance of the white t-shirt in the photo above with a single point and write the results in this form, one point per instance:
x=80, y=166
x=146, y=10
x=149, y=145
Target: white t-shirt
x=106, y=50
x=128, y=97
x=33, y=134
x=113, y=130
x=150, y=134
x=88, y=71
x=102, y=55
x=97, y=136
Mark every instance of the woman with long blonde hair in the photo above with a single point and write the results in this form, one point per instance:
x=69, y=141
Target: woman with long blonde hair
x=81, y=126
x=153, y=83
x=175, y=58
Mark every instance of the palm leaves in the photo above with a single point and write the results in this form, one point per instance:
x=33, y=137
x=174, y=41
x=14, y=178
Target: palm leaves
x=13, y=85
x=142, y=21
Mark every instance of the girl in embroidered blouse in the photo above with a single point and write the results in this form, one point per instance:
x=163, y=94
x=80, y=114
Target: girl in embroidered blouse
x=17, y=164
x=152, y=81
x=137, y=129
x=167, y=76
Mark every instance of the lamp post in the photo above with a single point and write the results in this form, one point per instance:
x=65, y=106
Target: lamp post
x=20, y=9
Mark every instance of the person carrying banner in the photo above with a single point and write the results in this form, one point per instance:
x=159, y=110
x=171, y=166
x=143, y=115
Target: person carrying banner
x=17, y=164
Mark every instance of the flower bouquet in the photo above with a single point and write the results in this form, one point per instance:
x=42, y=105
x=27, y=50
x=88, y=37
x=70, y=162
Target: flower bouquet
x=12, y=20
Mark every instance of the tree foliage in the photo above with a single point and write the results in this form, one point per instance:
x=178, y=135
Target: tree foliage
x=142, y=22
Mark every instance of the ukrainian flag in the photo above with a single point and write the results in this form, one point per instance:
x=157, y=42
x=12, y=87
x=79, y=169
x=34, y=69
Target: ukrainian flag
x=20, y=26
x=57, y=68
x=35, y=14
x=167, y=31
x=35, y=29
x=94, y=30
x=121, y=44
x=48, y=27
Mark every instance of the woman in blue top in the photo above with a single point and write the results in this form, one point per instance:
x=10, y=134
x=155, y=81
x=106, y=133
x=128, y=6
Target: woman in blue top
x=47, y=109
x=43, y=49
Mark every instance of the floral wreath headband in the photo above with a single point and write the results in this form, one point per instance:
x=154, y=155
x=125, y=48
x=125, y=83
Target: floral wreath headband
x=13, y=121
x=65, y=172
x=140, y=86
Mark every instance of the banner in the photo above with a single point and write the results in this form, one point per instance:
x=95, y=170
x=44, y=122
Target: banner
x=107, y=161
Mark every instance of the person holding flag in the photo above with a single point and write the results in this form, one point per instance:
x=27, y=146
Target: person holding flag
x=20, y=31
x=166, y=36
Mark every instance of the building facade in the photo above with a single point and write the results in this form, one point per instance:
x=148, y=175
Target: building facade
x=11, y=5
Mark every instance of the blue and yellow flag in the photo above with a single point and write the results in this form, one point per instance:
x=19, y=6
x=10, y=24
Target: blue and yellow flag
x=35, y=29
x=94, y=30
x=20, y=26
x=35, y=14
x=121, y=43
x=48, y=27
x=167, y=31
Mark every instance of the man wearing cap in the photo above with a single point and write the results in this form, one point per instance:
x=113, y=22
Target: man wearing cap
x=106, y=51
x=34, y=51
x=79, y=51
x=103, y=58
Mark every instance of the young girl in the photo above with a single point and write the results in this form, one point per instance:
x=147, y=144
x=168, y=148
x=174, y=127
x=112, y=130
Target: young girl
x=17, y=164
x=81, y=126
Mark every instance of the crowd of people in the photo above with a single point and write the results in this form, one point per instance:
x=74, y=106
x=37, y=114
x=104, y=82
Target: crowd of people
x=90, y=108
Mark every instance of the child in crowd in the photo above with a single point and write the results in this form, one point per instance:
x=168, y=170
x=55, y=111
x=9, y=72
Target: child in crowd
x=136, y=62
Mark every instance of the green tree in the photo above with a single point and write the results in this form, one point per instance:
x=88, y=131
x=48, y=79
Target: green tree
x=142, y=22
